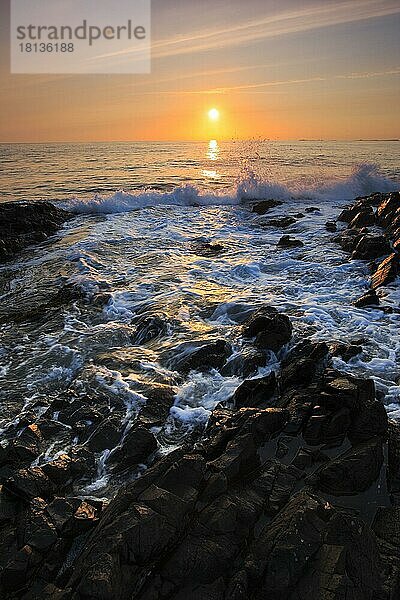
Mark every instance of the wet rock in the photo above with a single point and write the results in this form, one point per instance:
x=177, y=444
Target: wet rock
x=38, y=530
x=350, y=212
x=327, y=428
x=364, y=218
x=348, y=239
x=370, y=421
x=386, y=527
x=25, y=223
x=281, y=222
x=353, y=472
x=386, y=272
x=149, y=328
x=60, y=470
x=135, y=447
x=159, y=399
x=49, y=428
x=240, y=458
x=393, y=468
x=61, y=511
x=277, y=483
x=200, y=356
x=312, y=209
x=245, y=363
x=264, y=206
x=30, y=483
x=106, y=436
x=254, y=392
x=370, y=298
x=302, y=363
x=345, y=351
x=331, y=226
x=207, y=248
x=371, y=246
x=19, y=569
x=306, y=552
x=288, y=242
x=85, y=518
x=269, y=328
x=387, y=209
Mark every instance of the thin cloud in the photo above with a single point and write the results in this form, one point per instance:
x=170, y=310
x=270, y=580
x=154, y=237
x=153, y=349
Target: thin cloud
x=290, y=22
x=269, y=84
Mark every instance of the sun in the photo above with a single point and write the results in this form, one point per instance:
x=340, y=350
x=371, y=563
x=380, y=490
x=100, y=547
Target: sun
x=213, y=114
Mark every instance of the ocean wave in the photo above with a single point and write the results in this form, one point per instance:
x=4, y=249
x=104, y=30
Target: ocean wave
x=365, y=179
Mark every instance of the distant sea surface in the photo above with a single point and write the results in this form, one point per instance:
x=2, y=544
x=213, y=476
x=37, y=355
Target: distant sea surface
x=65, y=171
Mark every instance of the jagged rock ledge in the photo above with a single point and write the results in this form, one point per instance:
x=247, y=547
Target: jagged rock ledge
x=380, y=246
x=291, y=492
x=26, y=223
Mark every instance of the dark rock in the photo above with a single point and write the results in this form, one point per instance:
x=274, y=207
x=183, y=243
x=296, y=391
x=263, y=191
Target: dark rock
x=302, y=363
x=49, y=428
x=271, y=330
x=25, y=223
x=349, y=213
x=310, y=550
x=364, y=218
x=264, y=206
x=281, y=222
x=200, y=356
x=370, y=298
x=20, y=569
x=331, y=226
x=348, y=239
x=312, y=209
x=30, y=483
x=85, y=517
x=386, y=527
x=149, y=328
x=300, y=372
x=159, y=399
x=345, y=351
x=239, y=459
x=387, y=209
x=353, y=472
x=254, y=392
x=287, y=242
x=207, y=249
x=370, y=421
x=386, y=272
x=393, y=468
x=277, y=483
x=327, y=428
x=59, y=470
x=39, y=532
x=245, y=363
x=135, y=447
x=370, y=247
x=106, y=436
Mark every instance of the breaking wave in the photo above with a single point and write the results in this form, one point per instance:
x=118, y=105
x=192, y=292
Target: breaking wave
x=365, y=179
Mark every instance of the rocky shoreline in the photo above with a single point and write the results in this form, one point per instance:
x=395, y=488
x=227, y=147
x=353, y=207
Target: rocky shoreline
x=26, y=223
x=374, y=236
x=292, y=491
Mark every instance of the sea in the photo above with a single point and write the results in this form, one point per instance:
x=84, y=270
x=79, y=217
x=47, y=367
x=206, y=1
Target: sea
x=141, y=212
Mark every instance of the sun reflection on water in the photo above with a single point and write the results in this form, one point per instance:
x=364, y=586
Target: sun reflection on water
x=213, y=150
x=212, y=154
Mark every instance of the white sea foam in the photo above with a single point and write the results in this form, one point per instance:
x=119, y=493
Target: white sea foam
x=365, y=179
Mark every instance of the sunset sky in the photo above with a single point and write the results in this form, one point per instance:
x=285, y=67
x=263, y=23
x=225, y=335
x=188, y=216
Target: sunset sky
x=283, y=69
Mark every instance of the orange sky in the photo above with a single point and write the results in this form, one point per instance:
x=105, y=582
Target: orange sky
x=280, y=70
